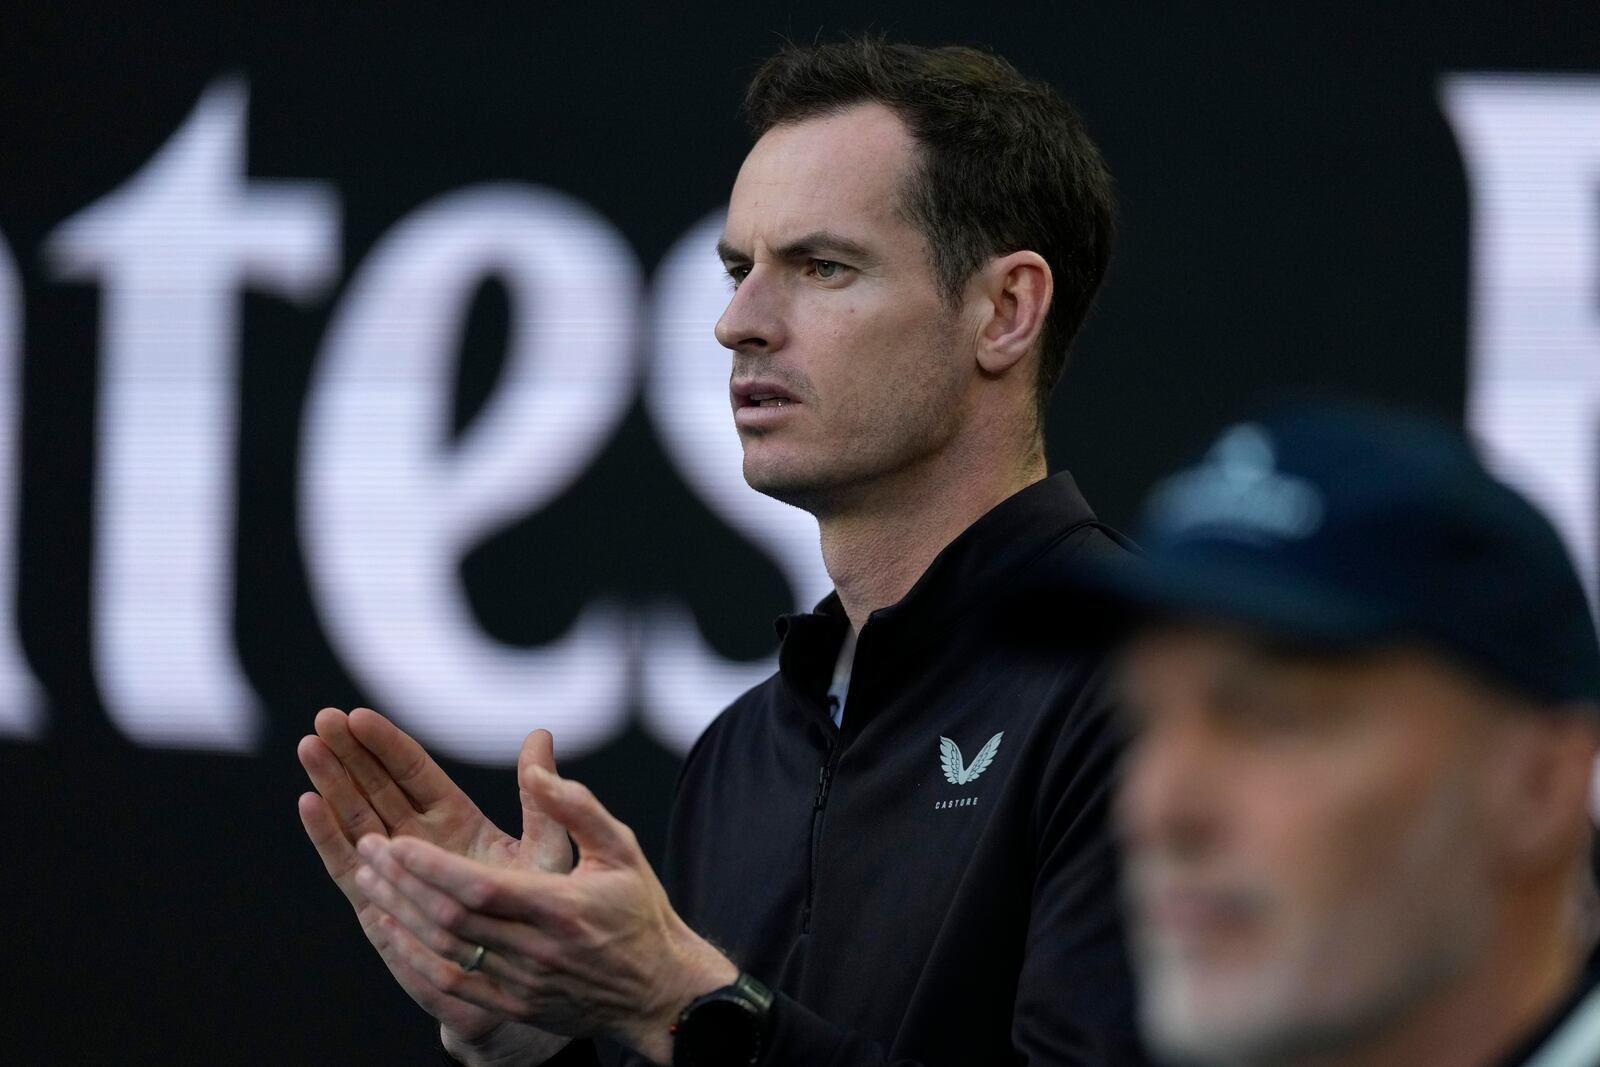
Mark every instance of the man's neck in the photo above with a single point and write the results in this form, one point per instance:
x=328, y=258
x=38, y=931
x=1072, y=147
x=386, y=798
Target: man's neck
x=876, y=548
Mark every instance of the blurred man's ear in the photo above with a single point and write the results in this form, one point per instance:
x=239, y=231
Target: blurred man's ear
x=1544, y=763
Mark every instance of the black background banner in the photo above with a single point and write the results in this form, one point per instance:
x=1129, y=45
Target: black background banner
x=1295, y=216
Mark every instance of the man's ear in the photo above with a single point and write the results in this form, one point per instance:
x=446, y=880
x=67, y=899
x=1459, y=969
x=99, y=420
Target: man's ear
x=1013, y=294
x=1546, y=773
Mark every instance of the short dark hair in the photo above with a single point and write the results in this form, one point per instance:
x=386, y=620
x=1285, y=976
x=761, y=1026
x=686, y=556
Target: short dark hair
x=1006, y=163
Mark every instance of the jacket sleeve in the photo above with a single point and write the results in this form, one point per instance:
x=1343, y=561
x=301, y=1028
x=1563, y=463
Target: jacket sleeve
x=1075, y=992
x=579, y=1053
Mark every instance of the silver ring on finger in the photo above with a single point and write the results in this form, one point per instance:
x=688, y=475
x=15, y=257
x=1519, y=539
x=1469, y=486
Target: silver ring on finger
x=476, y=960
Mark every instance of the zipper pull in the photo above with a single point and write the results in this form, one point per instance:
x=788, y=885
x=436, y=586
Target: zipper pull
x=823, y=775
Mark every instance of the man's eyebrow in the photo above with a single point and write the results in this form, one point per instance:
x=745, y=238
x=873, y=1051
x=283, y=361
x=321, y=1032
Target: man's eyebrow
x=823, y=243
x=816, y=244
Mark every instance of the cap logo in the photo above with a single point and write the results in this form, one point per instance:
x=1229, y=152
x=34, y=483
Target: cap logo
x=1237, y=491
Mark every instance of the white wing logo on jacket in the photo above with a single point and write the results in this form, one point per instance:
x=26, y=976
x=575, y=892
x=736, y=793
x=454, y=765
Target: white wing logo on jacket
x=950, y=759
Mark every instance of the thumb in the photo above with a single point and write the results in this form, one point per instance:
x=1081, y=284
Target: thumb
x=544, y=835
x=596, y=832
x=538, y=750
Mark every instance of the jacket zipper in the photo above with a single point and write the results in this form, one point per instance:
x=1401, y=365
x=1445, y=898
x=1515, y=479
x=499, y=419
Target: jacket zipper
x=824, y=777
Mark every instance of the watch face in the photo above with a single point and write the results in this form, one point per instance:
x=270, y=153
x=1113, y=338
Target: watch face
x=718, y=1033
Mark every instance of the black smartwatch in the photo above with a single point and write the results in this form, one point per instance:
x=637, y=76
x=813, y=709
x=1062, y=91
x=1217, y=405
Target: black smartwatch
x=725, y=1028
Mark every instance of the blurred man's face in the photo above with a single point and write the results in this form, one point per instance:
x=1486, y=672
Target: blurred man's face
x=1303, y=843
x=846, y=366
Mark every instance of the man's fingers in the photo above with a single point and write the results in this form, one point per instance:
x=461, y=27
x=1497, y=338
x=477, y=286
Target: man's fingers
x=441, y=923
x=598, y=834
x=370, y=776
x=523, y=896
x=350, y=806
x=337, y=853
x=445, y=977
x=423, y=780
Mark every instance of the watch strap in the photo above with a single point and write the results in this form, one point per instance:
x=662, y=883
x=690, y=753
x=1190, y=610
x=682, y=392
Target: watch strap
x=754, y=991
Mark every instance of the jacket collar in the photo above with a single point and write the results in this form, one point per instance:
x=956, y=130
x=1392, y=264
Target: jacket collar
x=968, y=572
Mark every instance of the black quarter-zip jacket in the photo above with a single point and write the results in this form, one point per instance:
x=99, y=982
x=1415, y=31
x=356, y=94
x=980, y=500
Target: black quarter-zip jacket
x=934, y=882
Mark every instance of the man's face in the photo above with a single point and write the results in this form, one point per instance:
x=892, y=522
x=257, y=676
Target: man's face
x=1303, y=841
x=846, y=363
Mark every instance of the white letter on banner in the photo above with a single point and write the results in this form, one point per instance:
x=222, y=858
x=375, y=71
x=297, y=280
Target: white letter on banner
x=389, y=507
x=171, y=248
x=21, y=702
x=1531, y=145
x=686, y=683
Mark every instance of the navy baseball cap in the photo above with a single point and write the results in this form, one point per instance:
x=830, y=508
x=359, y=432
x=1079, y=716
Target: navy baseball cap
x=1347, y=527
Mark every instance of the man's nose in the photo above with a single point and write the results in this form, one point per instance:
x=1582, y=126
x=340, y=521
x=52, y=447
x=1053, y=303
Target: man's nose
x=1168, y=795
x=753, y=319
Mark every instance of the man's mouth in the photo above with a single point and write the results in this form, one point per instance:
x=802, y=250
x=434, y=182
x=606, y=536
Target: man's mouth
x=760, y=394
x=1187, y=913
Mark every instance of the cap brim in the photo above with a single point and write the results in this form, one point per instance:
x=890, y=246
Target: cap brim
x=1252, y=593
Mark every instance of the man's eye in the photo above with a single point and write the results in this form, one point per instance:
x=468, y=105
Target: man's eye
x=1276, y=719
x=827, y=269
x=737, y=275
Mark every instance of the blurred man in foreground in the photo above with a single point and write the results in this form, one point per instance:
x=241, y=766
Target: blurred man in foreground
x=1363, y=698
x=897, y=848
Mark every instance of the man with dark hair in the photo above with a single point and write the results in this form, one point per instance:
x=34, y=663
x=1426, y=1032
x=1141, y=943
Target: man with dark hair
x=1003, y=164
x=1365, y=701
x=896, y=848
